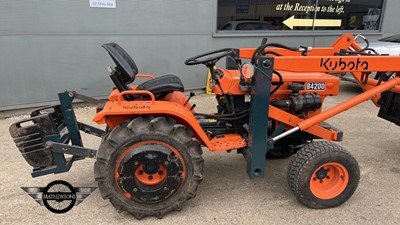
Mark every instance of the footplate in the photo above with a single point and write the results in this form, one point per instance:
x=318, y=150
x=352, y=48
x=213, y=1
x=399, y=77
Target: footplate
x=227, y=142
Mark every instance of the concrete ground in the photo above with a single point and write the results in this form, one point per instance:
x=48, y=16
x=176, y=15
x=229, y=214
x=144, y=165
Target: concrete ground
x=227, y=195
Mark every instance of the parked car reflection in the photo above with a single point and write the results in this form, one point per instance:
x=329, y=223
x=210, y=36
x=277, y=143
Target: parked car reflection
x=389, y=45
x=246, y=25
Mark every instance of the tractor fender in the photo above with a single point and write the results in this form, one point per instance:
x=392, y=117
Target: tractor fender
x=114, y=113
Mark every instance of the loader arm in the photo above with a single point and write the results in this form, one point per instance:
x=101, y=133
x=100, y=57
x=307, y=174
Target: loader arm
x=329, y=60
x=335, y=59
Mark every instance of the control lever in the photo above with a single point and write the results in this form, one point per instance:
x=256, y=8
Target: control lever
x=194, y=105
x=264, y=41
x=190, y=96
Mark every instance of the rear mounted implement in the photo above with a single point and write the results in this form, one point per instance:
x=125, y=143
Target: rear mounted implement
x=44, y=138
x=30, y=135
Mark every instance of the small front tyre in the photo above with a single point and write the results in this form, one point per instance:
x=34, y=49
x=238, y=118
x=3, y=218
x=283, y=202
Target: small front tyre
x=323, y=175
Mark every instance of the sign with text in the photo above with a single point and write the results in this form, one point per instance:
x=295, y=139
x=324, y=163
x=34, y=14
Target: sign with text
x=102, y=4
x=299, y=15
x=292, y=22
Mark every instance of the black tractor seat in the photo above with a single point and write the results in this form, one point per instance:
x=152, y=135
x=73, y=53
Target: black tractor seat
x=160, y=86
x=125, y=72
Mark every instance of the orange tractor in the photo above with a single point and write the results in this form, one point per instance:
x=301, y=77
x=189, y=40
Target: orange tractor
x=150, y=159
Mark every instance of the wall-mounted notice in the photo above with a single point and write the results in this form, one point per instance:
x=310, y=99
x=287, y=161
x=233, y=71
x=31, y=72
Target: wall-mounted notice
x=103, y=4
x=306, y=15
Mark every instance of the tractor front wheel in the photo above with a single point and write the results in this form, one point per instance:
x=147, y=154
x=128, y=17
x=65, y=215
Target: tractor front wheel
x=323, y=175
x=149, y=166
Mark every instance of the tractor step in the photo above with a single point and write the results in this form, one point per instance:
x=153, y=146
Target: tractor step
x=224, y=142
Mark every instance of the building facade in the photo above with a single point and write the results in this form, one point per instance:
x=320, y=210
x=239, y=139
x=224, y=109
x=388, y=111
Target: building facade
x=48, y=46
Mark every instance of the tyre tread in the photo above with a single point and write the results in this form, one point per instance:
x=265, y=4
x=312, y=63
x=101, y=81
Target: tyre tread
x=303, y=158
x=140, y=126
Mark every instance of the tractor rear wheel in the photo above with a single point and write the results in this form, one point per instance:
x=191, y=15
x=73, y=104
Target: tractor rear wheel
x=323, y=175
x=149, y=166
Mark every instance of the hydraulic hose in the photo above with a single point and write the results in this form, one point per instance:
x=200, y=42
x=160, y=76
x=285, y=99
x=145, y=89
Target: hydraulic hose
x=223, y=115
x=277, y=45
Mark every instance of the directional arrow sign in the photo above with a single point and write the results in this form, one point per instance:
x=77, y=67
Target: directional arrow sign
x=292, y=22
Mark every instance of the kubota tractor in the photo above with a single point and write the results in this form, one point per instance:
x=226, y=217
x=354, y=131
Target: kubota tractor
x=150, y=158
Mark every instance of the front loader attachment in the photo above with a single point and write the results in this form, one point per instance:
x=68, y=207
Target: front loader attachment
x=43, y=138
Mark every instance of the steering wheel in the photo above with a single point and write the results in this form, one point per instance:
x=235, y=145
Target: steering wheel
x=210, y=61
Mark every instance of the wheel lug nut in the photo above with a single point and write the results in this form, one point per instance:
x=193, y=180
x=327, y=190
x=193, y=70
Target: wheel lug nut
x=320, y=181
x=140, y=172
x=136, y=163
x=327, y=177
x=134, y=189
x=160, y=172
x=150, y=177
x=165, y=189
x=166, y=163
x=314, y=178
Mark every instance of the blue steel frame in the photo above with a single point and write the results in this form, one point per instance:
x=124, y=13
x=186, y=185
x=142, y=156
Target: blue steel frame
x=61, y=163
x=258, y=146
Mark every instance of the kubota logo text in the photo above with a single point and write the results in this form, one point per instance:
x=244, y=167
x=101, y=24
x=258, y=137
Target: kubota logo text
x=127, y=107
x=340, y=64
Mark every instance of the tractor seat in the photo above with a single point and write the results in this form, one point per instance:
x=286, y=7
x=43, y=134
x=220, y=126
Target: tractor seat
x=162, y=85
x=126, y=71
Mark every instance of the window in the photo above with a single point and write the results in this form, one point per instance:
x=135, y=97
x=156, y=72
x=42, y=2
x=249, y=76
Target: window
x=267, y=15
x=227, y=27
x=256, y=25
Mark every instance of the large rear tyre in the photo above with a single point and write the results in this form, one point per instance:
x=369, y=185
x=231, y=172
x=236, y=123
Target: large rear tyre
x=149, y=166
x=323, y=175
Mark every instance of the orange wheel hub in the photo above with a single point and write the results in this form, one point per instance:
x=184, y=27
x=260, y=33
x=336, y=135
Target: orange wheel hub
x=329, y=180
x=151, y=179
x=150, y=171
